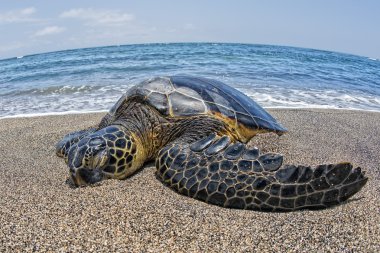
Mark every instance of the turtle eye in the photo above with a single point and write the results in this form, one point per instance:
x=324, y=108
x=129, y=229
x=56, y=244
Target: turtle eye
x=99, y=159
x=98, y=153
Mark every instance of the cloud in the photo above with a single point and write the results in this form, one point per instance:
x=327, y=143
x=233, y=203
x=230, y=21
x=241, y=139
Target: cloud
x=28, y=11
x=49, y=30
x=99, y=17
x=18, y=16
x=189, y=26
x=11, y=47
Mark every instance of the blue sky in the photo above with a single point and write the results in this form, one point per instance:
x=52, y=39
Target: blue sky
x=29, y=27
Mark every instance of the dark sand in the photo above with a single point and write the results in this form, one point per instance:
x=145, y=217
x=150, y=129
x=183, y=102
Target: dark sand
x=39, y=211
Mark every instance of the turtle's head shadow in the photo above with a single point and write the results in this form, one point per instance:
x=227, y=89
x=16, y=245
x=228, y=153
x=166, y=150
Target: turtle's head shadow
x=69, y=181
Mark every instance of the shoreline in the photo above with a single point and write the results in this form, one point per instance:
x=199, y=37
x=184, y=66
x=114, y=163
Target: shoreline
x=40, y=211
x=45, y=114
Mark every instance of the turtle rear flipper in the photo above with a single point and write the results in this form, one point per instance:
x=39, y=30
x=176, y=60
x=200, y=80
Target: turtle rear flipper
x=231, y=175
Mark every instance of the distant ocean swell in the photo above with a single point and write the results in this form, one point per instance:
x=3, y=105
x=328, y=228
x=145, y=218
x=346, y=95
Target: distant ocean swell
x=92, y=79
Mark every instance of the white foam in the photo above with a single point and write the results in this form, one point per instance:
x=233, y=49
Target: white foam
x=329, y=107
x=31, y=115
x=100, y=100
x=299, y=98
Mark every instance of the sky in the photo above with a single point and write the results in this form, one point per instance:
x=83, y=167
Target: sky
x=30, y=27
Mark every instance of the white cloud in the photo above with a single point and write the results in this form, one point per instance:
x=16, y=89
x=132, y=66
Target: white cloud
x=28, y=11
x=18, y=16
x=11, y=47
x=49, y=30
x=99, y=17
x=189, y=26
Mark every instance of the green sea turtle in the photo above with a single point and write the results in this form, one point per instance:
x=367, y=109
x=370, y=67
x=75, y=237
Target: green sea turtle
x=196, y=130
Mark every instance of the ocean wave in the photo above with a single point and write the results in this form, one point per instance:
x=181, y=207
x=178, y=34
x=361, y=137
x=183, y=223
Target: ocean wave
x=93, y=78
x=63, y=99
x=315, y=98
x=84, y=111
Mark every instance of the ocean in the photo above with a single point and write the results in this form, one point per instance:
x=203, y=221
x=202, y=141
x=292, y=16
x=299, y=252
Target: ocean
x=92, y=79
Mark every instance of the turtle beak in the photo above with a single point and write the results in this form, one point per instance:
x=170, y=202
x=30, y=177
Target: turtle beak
x=87, y=160
x=94, y=172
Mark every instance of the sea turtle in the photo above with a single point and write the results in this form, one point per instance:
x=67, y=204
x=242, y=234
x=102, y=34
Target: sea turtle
x=196, y=130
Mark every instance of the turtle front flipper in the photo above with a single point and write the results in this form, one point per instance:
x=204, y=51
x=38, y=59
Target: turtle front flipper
x=63, y=146
x=230, y=175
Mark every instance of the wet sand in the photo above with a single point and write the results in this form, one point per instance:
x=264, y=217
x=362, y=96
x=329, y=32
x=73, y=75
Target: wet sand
x=39, y=211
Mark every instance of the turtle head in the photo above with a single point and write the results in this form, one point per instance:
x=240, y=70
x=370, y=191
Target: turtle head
x=107, y=153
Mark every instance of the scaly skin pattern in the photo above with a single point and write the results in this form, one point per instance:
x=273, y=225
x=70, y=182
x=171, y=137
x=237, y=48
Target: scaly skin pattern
x=64, y=145
x=201, y=157
x=121, y=153
x=116, y=148
x=231, y=175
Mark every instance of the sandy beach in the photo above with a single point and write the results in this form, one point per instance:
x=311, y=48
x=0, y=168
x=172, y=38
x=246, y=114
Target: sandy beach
x=39, y=211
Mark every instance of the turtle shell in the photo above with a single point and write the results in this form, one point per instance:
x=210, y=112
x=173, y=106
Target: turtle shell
x=181, y=96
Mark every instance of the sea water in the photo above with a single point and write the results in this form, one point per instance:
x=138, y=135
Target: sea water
x=92, y=79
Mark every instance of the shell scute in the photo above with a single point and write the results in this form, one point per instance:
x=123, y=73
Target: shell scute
x=158, y=84
x=182, y=105
x=180, y=96
x=160, y=102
